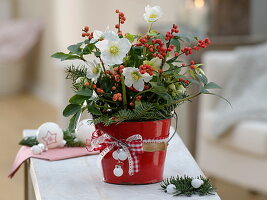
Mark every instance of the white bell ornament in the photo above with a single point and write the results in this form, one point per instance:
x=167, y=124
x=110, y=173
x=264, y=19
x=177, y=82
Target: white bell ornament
x=122, y=155
x=118, y=171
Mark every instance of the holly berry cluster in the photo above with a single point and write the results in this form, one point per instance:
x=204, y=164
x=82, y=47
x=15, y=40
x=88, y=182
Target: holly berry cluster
x=201, y=44
x=86, y=33
x=122, y=20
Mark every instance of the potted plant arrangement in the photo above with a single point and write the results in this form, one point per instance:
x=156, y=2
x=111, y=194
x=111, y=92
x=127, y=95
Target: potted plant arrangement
x=132, y=89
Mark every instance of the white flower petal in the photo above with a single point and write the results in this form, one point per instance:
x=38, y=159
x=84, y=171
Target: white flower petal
x=139, y=85
x=146, y=77
x=102, y=45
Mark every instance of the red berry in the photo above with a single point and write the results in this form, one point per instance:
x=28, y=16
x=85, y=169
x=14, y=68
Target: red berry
x=176, y=54
x=94, y=86
x=192, y=62
x=87, y=83
x=117, y=26
x=180, y=79
x=151, y=50
x=186, y=81
x=146, y=87
x=86, y=29
x=131, y=104
x=160, y=70
x=192, y=67
x=114, y=88
x=117, y=11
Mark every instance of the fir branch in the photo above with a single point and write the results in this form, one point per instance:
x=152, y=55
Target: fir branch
x=73, y=72
x=184, y=187
x=29, y=141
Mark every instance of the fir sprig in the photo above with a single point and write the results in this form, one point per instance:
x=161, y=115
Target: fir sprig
x=69, y=137
x=183, y=186
x=73, y=72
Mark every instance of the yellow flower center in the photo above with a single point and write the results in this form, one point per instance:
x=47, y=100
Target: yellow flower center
x=153, y=16
x=114, y=50
x=136, y=76
x=95, y=70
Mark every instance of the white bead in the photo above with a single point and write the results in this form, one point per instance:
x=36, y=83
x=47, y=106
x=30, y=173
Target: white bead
x=36, y=150
x=42, y=146
x=118, y=171
x=115, y=155
x=171, y=189
x=196, y=183
x=122, y=155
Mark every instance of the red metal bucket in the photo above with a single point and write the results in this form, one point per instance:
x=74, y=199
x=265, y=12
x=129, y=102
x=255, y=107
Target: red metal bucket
x=151, y=163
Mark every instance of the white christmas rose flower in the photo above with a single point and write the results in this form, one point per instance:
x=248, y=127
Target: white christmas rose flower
x=134, y=78
x=93, y=71
x=152, y=14
x=113, y=51
x=155, y=63
x=108, y=35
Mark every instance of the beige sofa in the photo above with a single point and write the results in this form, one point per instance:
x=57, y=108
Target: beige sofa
x=240, y=156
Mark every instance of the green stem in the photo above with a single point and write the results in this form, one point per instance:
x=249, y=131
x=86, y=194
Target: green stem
x=149, y=28
x=142, y=92
x=107, y=100
x=184, y=99
x=106, y=107
x=124, y=98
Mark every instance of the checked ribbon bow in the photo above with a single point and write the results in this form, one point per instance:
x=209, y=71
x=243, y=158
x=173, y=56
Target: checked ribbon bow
x=133, y=146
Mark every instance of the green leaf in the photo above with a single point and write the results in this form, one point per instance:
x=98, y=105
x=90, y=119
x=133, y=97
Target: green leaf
x=219, y=97
x=212, y=85
x=176, y=43
x=85, y=92
x=71, y=109
x=97, y=53
x=153, y=33
x=92, y=109
x=202, y=78
x=172, y=60
x=192, y=73
x=88, y=49
x=62, y=56
x=74, y=120
x=78, y=99
x=162, y=92
x=76, y=48
x=131, y=37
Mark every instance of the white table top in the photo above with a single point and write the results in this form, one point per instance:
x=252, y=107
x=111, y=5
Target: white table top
x=81, y=178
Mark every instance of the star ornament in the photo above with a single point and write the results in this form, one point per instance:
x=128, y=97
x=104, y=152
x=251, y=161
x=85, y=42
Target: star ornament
x=50, y=138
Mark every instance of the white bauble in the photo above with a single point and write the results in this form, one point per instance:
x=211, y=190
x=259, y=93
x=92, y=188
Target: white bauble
x=118, y=171
x=122, y=155
x=115, y=155
x=196, y=183
x=84, y=131
x=51, y=135
x=36, y=150
x=171, y=189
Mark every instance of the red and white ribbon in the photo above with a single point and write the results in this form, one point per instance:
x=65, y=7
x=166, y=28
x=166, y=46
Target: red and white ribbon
x=133, y=147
